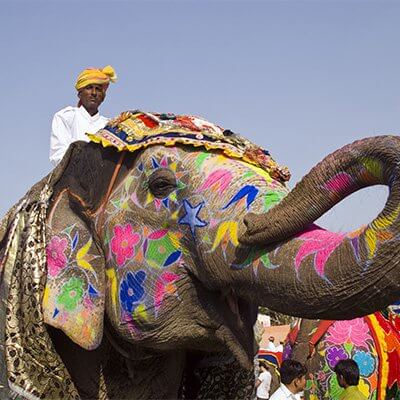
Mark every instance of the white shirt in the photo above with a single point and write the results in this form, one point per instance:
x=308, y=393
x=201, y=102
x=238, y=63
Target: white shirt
x=283, y=393
x=69, y=125
x=279, y=348
x=263, y=389
x=271, y=346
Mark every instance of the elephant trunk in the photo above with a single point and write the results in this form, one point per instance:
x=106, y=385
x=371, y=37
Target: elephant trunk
x=353, y=274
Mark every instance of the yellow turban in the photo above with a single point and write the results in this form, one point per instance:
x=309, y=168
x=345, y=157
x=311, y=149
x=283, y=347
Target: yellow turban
x=95, y=76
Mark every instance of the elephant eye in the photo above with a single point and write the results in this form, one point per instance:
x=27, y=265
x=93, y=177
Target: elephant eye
x=161, y=183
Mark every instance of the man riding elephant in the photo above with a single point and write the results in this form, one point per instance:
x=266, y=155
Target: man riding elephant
x=72, y=123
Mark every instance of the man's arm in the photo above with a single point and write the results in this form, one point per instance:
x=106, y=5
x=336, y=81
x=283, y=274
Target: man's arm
x=60, y=138
x=258, y=382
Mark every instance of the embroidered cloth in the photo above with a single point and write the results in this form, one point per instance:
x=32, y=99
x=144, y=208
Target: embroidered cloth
x=134, y=130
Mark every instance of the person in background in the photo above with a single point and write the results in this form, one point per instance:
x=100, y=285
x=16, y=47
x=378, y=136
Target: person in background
x=293, y=380
x=71, y=123
x=263, y=382
x=271, y=344
x=348, y=376
x=279, y=348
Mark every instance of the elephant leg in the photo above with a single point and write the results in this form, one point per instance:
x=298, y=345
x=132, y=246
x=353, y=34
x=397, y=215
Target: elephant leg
x=156, y=377
x=219, y=380
x=84, y=366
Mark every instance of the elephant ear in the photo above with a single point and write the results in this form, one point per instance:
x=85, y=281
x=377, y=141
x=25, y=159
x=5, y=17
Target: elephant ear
x=73, y=299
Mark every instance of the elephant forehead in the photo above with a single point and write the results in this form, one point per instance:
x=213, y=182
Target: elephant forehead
x=199, y=161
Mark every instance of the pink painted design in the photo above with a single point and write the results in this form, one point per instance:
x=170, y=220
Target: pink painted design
x=220, y=178
x=355, y=331
x=165, y=286
x=164, y=162
x=321, y=243
x=340, y=183
x=55, y=252
x=158, y=234
x=157, y=204
x=123, y=243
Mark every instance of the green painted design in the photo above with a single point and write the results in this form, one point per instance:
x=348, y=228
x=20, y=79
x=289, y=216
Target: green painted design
x=71, y=294
x=158, y=251
x=265, y=260
x=348, y=347
x=68, y=230
x=334, y=389
x=272, y=198
x=180, y=185
x=374, y=167
x=200, y=159
x=248, y=174
x=116, y=203
x=173, y=197
x=128, y=182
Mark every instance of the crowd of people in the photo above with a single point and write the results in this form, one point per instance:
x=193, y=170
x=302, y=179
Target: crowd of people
x=272, y=347
x=293, y=376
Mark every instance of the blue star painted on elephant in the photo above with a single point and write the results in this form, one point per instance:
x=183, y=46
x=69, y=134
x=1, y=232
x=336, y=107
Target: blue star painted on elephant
x=191, y=218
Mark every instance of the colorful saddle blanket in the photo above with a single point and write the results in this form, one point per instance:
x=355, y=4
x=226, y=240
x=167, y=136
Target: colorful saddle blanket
x=134, y=130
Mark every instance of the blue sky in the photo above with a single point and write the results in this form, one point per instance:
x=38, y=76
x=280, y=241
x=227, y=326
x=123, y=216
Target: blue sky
x=299, y=78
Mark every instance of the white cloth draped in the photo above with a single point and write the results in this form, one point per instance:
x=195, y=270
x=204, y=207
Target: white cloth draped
x=69, y=125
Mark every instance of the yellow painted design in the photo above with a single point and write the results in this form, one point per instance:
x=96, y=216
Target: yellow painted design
x=46, y=294
x=140, y=313
x=374, y=167
x=260, y=171
x=110, y=273
x=174, y=240
x=226, y=230
x=363, y=388
x=174, y=216
x=383, y=355
x=80, y=256
x=172, y=196
x=172, y=166
x=381, y=223
x=149, y=198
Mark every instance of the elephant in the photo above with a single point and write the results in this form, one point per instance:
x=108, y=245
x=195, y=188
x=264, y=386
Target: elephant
x=147, y=251
x=372, y=341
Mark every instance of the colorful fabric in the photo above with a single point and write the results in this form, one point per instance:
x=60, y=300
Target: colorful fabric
x=134, y=130
x=91, y=76
x=352, y=393
x=26, y=370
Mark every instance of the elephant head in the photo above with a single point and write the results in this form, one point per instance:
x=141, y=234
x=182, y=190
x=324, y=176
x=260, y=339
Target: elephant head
x=159, y=251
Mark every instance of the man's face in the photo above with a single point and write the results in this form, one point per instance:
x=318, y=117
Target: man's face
x=300, y=383
x=92, y=96
x=341, y=381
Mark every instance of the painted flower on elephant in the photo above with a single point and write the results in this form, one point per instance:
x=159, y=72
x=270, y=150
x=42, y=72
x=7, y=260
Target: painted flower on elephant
x=71, y=293
x=55, y=252
x=335, y=354
x=132, y=290
x=365, y=362
x=123, y=243
x=165, y=286
x=355, y=331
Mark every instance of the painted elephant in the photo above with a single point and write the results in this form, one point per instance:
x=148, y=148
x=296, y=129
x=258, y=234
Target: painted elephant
x=132, y=258
x=372, y=341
